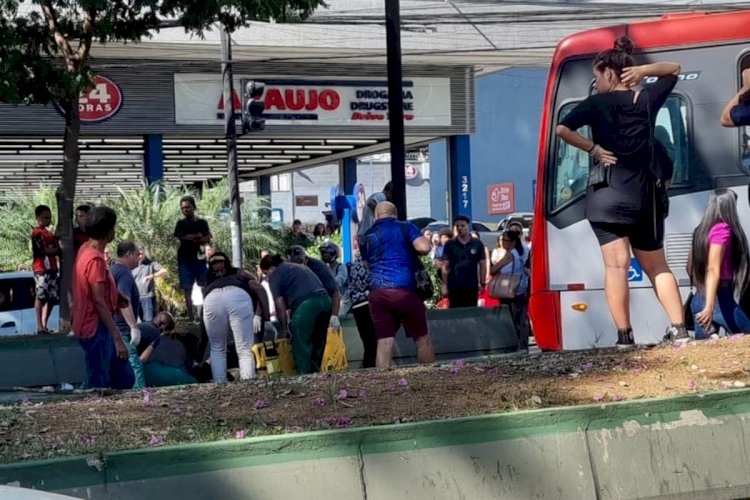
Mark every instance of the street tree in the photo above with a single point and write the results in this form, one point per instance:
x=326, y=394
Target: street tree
x=45, y=52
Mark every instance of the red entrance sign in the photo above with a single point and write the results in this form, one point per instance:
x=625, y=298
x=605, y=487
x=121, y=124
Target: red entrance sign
x=501, y=198
x=101, y=101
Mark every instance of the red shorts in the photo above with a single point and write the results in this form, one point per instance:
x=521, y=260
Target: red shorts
x=393, y=307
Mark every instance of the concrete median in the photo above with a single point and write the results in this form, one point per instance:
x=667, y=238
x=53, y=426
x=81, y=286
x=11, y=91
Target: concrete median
x=683, y=447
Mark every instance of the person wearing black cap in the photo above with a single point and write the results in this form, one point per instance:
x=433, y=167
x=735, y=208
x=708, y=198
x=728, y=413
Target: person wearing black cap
x=297, y=255
x=296, y=288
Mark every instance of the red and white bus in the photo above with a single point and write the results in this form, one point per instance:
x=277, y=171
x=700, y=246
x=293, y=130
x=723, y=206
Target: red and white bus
x=568, y=308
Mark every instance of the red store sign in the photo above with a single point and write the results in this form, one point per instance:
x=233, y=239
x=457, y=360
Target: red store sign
x=100, y=102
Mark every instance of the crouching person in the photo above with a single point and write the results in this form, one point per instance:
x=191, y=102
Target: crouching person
x=166, y=360
x=232, y=301
x=96, y=301
x=296, y=288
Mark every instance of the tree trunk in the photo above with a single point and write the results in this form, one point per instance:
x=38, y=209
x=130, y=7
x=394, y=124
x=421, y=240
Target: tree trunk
x=65, y=198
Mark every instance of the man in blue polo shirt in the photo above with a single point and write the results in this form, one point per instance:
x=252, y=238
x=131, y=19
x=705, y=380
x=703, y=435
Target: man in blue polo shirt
x=391, y=248
x=737, y=111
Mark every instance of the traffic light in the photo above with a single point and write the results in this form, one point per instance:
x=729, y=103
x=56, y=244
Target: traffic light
x=252, y=108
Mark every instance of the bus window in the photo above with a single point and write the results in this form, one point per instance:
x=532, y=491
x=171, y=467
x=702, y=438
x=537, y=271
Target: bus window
x=671, y=132
x=744, y=131
x=571, y=167
x=572, y=164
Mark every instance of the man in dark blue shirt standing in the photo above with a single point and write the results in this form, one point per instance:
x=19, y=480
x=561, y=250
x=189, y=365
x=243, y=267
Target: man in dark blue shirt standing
x=391, y=248
x=193, y=233
x=464, y=266
x=126, y=322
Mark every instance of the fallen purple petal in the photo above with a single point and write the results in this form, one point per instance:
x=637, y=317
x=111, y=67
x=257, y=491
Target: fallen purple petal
x=454, y=369
x=678, y=345
x=156, y=440
x=343, y=422
x=260, y=404
x=587, y=367
x=403, y=382
x=737, y=336
x=598, y=398
x=89, y=440
x=343, y=394
x=692, y=385
x=391, y=388
x=618, y=398
x=362, y=394
x=319, y=401
x=459, y=363
x=239, y=434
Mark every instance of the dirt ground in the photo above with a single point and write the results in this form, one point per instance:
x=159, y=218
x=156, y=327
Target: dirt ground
x=85, y=424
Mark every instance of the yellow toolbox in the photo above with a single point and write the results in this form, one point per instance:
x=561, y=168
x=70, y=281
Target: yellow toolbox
x=273, y=357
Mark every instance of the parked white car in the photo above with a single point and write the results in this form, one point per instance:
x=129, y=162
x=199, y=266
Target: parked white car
x=17, y=295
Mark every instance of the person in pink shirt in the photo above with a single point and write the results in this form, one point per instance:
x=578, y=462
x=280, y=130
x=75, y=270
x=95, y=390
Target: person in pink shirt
x=718, y=267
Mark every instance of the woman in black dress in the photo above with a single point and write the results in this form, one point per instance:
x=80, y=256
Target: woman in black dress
x=621, y=204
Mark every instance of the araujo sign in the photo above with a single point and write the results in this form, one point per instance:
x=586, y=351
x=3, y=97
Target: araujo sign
x=321, y=102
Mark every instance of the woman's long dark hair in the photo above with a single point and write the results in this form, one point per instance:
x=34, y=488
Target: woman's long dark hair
x=515, y=238
x=616, y=58
x=722, y=207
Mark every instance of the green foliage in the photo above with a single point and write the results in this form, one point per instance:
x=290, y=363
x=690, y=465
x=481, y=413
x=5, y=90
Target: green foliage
x=147, y=216
x=17, y=214
x=437, y=281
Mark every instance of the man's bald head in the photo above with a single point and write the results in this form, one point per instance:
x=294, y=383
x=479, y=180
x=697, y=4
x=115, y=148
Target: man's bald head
x=385, y=210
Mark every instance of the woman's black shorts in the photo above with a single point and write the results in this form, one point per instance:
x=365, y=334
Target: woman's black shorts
x=642, y=236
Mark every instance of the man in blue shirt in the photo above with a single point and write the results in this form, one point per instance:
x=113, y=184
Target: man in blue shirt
x=737, y=111
x=127, y=260
x=391, y=249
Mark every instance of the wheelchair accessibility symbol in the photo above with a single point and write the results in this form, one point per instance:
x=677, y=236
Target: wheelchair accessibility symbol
x=635, y=273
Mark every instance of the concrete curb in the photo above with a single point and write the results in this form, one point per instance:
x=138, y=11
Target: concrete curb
x=691, y=446
x=455, y=333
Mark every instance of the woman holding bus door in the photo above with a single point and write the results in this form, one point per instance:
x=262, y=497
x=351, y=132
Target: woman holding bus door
x=621, y=198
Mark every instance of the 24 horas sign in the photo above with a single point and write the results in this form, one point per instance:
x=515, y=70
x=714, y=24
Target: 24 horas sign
x=100, y=102
x=321, y=102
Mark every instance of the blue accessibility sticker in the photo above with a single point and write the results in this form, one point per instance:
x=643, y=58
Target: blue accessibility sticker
x=635, y=273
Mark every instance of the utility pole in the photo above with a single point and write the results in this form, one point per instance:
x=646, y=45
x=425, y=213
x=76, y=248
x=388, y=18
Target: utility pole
x=230, y=131
x=396, y=105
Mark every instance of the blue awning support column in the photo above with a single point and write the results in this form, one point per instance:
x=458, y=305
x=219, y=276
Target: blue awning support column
x=348, y=174
x=459, y=166
x=153, y=158
x=264, y=186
